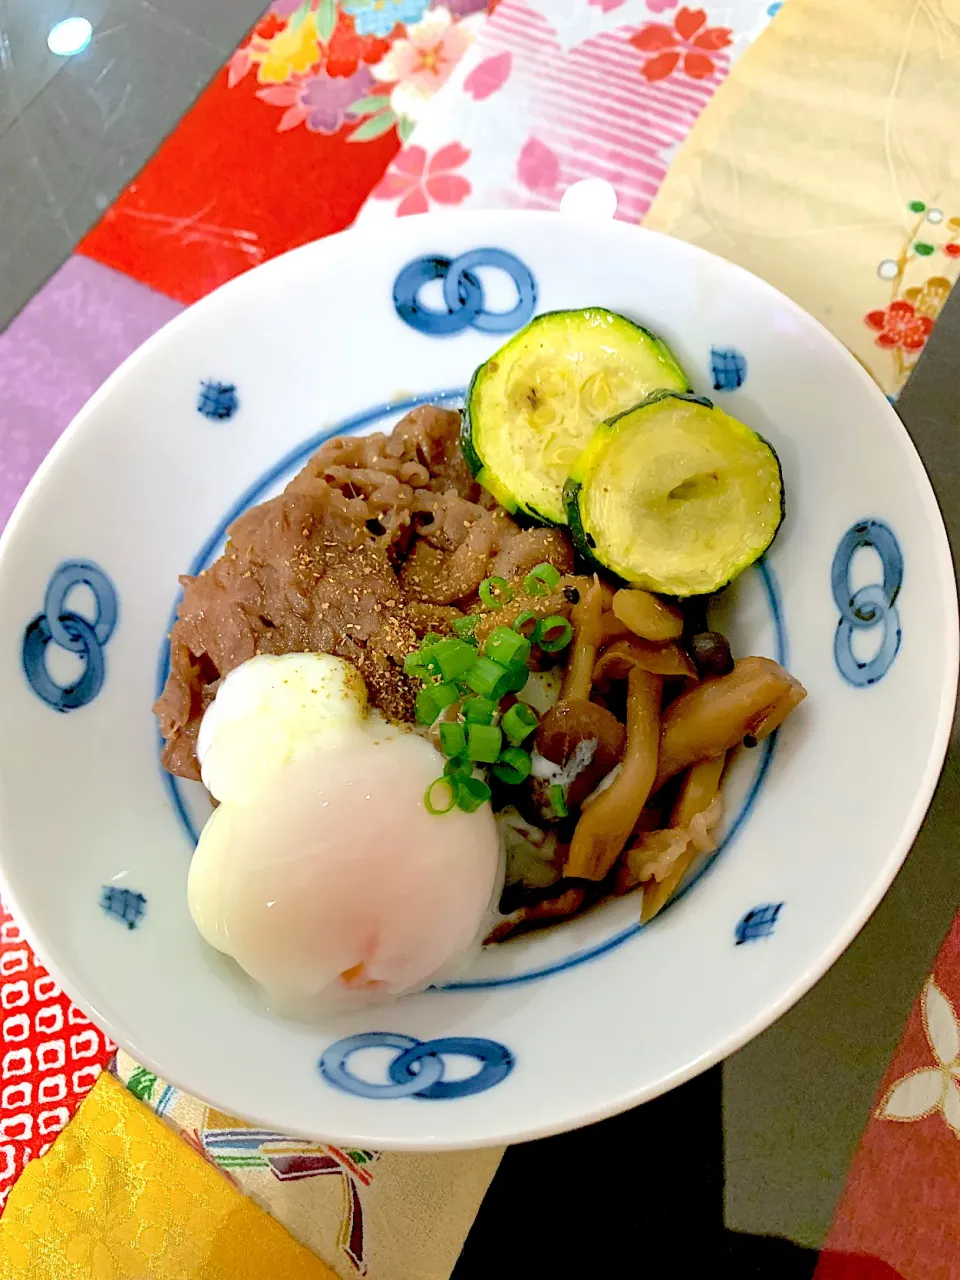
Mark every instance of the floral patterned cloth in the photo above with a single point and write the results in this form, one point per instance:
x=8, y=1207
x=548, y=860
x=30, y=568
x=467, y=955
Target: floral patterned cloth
x=852, y=206
x=371, y=68
x=897, y=1219
x=550, y=93
x=311, y=81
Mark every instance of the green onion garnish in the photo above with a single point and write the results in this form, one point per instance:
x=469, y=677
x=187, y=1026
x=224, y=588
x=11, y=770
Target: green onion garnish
x=471, y=794
x=432, y=700
x=413, y=665
x=466, y=626
x=453, y=739
x=453, y=657
x=426, y=708
x=508, y=648
x=518, y=723
x=457, y=767
x=446, y=796
x=445, y=694
x=483, y=743
x=431, y=638
x=515, y=679
x=487, y=678
x=558, y=801
x=541, y=579
x=479, y=710
x=555, y=634
x=495, y=592
x=513, y=766
x=526, y=625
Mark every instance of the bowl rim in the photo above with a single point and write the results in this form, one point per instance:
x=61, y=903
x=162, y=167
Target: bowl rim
x=941, y=561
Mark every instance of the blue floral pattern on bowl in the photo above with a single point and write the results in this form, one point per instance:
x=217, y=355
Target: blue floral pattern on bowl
x=417, y=1070
x=125, y=905
x=728, y=367
x=868, y=606
x=759, y=922
x=218, y=401
x=463, y=294
x=72, y=632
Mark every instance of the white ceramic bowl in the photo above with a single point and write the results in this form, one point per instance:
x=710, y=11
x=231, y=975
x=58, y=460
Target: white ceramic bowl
x=216, y=412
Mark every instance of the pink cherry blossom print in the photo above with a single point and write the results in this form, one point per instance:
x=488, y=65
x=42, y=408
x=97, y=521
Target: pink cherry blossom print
x=538, y=167
x=687, y=45
x=420, y=179
x=420, y=63
x=660, y=6
x=605, y=6
x=488, y=76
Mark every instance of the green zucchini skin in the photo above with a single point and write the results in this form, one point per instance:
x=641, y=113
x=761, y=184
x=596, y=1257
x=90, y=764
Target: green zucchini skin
x=585, y=539
x=649, y=349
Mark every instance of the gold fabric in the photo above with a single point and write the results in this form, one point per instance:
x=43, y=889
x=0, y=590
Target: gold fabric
x=120, y=1197
x=828, y=163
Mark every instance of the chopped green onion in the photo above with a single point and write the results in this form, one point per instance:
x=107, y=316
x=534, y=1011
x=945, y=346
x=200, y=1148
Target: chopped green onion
x=457, y=767
x=421, y=663
x=518, y=723
x=506, y=647
x=515, y=679
x=513, y=766
x=453, y=657
x=431, y=638
x=555, y=634
x=426, y=708
x=479, y=710
x=541, y=579
x=440, y=806
x=445, y=694
x=466, y=626
x=483, y=743
x=495, y=592
x=413, y=665
x=471, y=794
x=526, y=625
x=558, y=800
x=453, y=740
x=487, y=678
x=432, y=700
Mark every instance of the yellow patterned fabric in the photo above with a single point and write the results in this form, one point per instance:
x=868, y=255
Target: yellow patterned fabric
x=120, y=1197
x=828, y=164
x=379, y=1215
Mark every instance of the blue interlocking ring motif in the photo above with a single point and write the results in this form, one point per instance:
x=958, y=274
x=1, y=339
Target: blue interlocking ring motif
x=418, y=1068
x=867, y=607
x=463, y=294
x=73, y=632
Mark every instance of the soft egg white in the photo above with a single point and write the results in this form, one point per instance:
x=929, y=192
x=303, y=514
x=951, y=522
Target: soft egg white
x=322, y=873
x=271, y=709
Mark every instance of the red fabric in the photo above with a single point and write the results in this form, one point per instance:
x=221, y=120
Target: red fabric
x=900, y=1204
x=226, y=192
x=52, y=1054
x=851, y=1266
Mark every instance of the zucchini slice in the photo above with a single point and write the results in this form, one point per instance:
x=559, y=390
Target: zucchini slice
x=534, y=405
x=675, y=495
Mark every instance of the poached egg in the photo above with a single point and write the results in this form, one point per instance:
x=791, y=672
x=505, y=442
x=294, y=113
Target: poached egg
x=321, y=873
